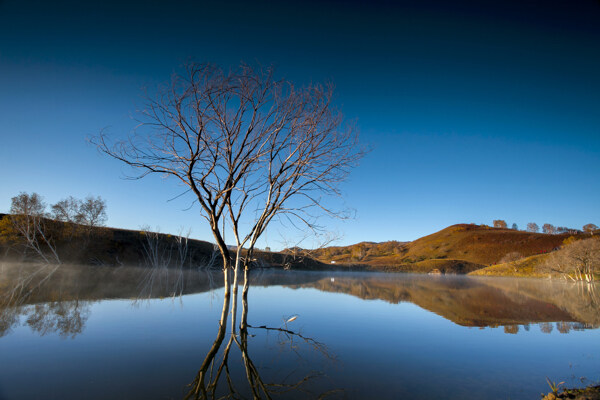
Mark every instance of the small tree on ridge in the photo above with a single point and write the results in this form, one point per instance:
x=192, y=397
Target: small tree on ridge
x=533, y=227
x=549, y=229
x=500, y=223
x=590, y=228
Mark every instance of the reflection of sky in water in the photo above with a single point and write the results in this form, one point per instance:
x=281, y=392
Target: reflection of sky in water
x=152, y=349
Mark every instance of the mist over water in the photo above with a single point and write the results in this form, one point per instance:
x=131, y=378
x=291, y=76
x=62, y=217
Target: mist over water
x=128, y=332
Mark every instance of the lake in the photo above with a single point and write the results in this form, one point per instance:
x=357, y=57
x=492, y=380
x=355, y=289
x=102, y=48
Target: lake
x=81, y=332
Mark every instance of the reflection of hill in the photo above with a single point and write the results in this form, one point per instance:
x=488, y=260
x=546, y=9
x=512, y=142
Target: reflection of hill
x=473, y=302
x=43, y=283
x=580, y=300
x=56, y=298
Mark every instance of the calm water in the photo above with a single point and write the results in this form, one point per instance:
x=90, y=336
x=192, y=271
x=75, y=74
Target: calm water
x=126, y=333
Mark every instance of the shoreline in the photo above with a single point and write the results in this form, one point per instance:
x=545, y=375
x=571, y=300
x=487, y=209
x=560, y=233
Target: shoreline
x=591, y=392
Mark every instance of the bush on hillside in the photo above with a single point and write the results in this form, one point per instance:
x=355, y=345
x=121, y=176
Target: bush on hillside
x=510, y=257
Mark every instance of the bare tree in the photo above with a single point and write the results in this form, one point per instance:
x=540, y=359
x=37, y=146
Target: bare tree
x=92, y=212
x=28, y=204
x=579, y=260
x=157, y=251
x=294, y=254
x=533, y=227
x=67, y=210
x=500, y=223
x=28, y=217
x=248, y=146
x=549, y=229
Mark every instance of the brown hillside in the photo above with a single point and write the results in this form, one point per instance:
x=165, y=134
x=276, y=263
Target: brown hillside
x=545, y=265
x=532, y=267
x=466, y=242
x=114, y=246
x=481, y=244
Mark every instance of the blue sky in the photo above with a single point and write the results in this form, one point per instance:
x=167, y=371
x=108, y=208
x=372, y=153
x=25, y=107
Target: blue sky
x=474, y=110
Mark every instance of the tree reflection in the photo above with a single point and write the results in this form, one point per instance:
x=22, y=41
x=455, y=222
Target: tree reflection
x=18, y=302
x=215, y=368
x=56, y=298
x=511, y=329
x=67, y=318
x=546, y=327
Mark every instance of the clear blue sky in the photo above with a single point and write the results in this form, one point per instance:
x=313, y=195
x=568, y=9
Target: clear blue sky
x=475, y=110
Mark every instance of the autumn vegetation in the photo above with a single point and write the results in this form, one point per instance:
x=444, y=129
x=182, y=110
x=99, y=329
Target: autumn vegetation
x=32, y=233
x=73, y=231
x=477, y=249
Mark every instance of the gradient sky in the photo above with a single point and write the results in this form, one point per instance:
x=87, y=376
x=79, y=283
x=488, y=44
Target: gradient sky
x=474, y=110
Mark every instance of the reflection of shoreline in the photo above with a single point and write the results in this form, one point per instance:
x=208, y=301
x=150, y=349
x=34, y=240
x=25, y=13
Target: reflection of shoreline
x=82, y=282
x=467, y=301
x=477, y=302
x=55, y=298
x=75, y=282
x=50, y=299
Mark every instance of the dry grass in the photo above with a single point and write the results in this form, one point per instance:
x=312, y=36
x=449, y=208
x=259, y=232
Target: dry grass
x=481, y=245
x=526, y=267
x=470, y=243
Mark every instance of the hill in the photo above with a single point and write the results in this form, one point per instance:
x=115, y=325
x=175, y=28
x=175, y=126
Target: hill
x=78, y=244
x=457, y=248
x=532, y=267
x=577, y=259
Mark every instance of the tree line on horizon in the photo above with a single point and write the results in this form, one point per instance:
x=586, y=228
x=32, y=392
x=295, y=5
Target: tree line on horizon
x=32, y=231
x=547, y=228
x=90, y=212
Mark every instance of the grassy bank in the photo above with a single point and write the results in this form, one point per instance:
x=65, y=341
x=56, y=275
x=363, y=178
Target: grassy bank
x=588, y=393
x=530, y=267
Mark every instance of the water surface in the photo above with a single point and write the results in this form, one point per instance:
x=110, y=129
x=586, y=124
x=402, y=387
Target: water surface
x=125, y=333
